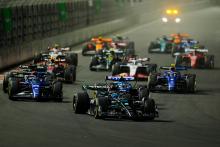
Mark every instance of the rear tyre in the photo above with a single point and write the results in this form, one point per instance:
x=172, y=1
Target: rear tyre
x=150, y=108
x=191, y=83
x=72, y=59
x=152, y=80
x=5, y=82
x=81, y=103
x=70, y=74
x=12, y=89
x=88, y=47
x=151, y=46
x=84, y=50
x=116, y=69
x=210, y=62
x=57, y=91
x=143, y=93
x=101, y=107
x=94, y=62
x=178, y=60
x=152, y=68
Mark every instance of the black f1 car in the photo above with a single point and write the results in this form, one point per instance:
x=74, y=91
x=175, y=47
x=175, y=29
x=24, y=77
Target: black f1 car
x=105, y=59
x=118, y=99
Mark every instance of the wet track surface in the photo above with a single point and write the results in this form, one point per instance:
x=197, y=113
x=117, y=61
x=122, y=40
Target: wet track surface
x=185, y=119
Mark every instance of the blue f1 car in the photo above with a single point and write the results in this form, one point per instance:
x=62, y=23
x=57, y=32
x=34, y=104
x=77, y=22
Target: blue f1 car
x=36, y=86
x=118, y=99
x=172, y=80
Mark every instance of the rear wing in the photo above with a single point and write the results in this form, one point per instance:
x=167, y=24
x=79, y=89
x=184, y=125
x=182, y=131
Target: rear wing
x=177, y=68
x=95, y=87
x=143, y=59
x=198, y=50
x=121, y=44
x=118, y=78
x=103, y=39
x=181, y=35
x=134, y=60
x=65, y=49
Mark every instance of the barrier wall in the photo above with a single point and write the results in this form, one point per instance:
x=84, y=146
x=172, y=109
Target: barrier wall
x=29, y=28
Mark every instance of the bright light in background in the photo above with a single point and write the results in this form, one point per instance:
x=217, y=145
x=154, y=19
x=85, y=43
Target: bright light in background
x=172, y=11
x=177, y=20
x=164, y=19
x=168, y=11
x=175, y=11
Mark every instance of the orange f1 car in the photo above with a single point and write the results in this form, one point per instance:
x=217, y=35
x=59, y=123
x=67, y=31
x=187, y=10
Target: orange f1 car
x=96, y=44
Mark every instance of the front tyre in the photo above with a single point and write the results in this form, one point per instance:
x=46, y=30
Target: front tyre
x=81, y=103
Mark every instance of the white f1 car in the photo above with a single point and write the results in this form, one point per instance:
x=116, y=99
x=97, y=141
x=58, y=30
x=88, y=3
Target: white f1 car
x=139, y=68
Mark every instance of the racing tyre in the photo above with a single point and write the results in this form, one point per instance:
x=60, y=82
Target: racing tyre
x=152, y=68
x=5, y=82
x=151, y=46
x=101, y=107
x=191, y=83
x=150, y=108
x=178, y=60
x=152, y=80
x=12, y=89
x=210, y=61
x=72, y=59
x=143, y=93
x=81, y=103
x=57, y=91
x=88, y=47
x=94, y=62
x=116, y=69
x=84, y=50
x=70, y=74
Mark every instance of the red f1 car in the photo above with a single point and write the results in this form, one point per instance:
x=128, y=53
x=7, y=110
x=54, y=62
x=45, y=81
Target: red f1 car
x=195, y=58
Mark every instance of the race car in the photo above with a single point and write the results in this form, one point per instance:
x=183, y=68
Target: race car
x=172, y=80
x=195, y=58
x=70, y=58
x=95, y=45
x=168, y=43
x=185, y=44
x=161, y=45
x=123, y=43
x=171, y=15
x=105, y=59
x=117, y=43
x=118, y=99
x=63, y=66
x=61, y=70
x=24, y=69
x=139, y=68
x=37, y=86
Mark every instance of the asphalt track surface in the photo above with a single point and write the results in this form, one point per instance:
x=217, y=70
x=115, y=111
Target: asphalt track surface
x=186, y=120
